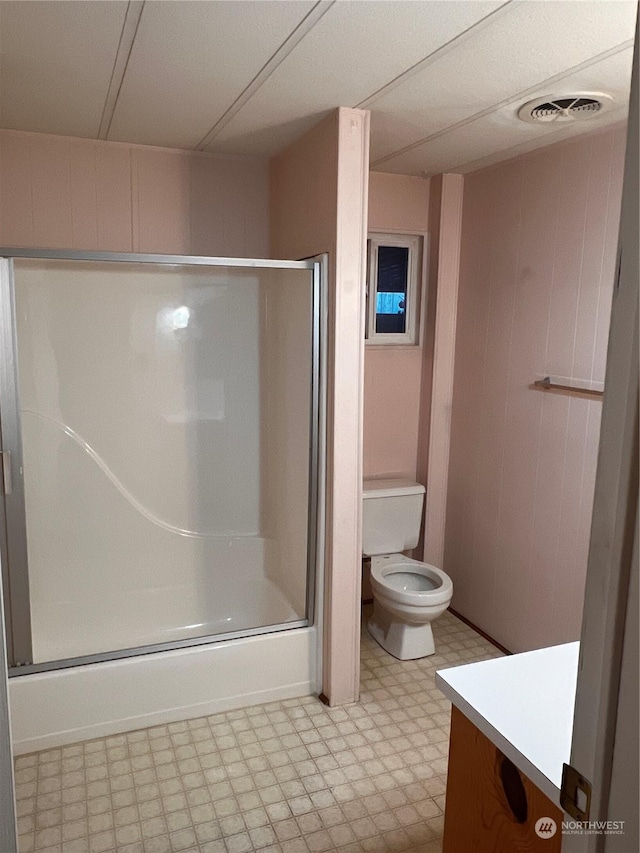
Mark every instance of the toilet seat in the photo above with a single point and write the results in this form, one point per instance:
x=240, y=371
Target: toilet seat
x=391, y=578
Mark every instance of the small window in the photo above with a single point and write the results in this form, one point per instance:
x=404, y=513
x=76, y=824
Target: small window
x=393, y=274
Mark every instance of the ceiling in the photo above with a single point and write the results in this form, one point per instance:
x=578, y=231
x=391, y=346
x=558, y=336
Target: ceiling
x=443, y=79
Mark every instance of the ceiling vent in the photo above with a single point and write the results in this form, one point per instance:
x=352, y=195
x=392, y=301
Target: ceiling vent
x=565, y=108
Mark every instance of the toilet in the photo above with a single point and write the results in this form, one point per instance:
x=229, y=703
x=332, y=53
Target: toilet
x=407, y=594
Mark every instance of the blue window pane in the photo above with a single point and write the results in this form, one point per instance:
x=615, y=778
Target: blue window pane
x=390, y=303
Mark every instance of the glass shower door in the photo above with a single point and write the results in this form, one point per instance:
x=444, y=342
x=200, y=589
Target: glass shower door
x=167, y=432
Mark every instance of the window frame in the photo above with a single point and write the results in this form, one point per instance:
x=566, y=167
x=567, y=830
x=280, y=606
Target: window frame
x=414, y=243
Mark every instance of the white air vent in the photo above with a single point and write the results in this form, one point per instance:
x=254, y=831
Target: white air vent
x=565, y=108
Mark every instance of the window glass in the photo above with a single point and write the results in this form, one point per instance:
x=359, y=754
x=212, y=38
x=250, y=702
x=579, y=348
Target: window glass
x=391, y=290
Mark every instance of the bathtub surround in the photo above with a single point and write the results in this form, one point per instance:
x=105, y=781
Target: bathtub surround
x=126, y=553
x=539, y=237
x=148, y=470
x=319, y=204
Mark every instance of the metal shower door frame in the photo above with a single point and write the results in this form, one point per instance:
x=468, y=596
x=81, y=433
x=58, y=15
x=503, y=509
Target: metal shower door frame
x=13, y=547
x=13, y=541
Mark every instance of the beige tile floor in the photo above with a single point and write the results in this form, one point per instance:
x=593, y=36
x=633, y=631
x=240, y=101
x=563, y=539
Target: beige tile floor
x=292, y=776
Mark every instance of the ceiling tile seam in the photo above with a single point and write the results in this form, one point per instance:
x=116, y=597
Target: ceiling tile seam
x=318, y=11
x=568, y=131
x=439, y=53
x=512, y=99
x=128, y=34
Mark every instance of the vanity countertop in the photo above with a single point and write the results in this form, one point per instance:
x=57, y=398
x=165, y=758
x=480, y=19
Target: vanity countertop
x=524, y=704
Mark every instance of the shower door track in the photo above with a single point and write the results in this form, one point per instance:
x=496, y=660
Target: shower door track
x=153, y=648
x=16, y=578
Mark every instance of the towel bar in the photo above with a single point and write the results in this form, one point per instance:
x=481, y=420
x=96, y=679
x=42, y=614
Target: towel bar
x=547, y=385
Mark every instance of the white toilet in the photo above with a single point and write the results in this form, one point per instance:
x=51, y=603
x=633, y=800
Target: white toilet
x=407, y=595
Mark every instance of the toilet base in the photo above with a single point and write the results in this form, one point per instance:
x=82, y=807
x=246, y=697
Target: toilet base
x=402, y=640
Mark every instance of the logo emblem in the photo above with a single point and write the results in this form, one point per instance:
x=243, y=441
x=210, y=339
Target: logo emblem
x=546, y=827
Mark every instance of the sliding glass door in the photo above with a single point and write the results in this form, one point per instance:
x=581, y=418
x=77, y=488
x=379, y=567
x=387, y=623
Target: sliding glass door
x=159, y=426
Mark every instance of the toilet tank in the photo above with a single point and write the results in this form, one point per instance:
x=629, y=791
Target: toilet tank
x=391, y=516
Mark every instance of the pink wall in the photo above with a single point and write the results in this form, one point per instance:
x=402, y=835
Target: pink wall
x=304, y=190
x=397, y=203
x=319, y=204
x=445, y=211
x=393, y=374
x=66, y=193
x=538, y=254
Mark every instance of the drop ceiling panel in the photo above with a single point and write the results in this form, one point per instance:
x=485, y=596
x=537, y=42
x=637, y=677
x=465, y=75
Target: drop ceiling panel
x=618, y=117
x=492, y=142
x=56, y=62
x=191, y=60
x=500, y=134
x=530, y=43
x=354, y=50
x=434, y=64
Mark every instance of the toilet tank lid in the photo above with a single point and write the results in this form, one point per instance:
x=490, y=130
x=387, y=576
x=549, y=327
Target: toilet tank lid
x=390, y=488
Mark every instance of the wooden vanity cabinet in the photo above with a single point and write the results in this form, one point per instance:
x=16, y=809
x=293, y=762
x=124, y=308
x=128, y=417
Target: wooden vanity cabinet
x=491, y=807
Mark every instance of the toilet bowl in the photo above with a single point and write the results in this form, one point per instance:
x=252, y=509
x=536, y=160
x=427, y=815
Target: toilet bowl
x=407, y=596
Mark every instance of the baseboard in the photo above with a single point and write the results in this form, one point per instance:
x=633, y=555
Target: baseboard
x=480, y=631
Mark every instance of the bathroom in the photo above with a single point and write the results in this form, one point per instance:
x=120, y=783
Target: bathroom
x=322, y=191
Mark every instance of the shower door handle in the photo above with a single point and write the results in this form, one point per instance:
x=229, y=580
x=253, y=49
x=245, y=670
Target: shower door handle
x=6, y=471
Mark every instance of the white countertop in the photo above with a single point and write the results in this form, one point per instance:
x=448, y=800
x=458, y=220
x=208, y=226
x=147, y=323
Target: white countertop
x=524, y=704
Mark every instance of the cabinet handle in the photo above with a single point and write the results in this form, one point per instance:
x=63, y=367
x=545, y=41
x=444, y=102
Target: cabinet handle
x=513, y=789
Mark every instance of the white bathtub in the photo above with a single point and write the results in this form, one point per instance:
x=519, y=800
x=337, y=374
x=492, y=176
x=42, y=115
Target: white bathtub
x=93, y=700
x=184, y=588
x=54, y=708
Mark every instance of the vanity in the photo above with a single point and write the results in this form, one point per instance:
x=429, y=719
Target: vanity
x=511, y=727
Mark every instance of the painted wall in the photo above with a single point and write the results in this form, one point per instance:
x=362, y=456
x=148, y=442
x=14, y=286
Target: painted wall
x=538, y=259
x=319, y=191
x=67, y=193
x=445, y=218
x=392, y=374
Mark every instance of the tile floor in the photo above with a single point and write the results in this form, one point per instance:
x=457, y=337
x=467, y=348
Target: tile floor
x=292, y=776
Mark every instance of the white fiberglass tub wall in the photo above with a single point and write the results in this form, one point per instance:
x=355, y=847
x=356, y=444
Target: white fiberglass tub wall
x=147, y=477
